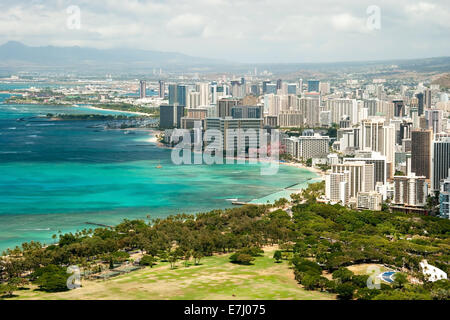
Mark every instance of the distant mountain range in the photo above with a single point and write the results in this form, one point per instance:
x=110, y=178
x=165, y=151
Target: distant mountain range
x=16, y=56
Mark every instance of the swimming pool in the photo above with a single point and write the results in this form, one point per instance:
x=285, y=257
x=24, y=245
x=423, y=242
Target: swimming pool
x=388, y=276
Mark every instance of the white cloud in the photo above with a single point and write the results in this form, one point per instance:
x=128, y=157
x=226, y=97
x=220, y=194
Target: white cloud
x=187, y=25
x=421, y=8
x=242, y=30
x=431, y=13
x=348, y=23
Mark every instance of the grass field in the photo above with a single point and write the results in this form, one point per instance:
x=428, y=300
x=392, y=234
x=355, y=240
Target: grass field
x=368, y=268
x=215, y=278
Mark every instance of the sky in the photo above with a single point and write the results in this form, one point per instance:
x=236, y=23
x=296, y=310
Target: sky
x=250, y=31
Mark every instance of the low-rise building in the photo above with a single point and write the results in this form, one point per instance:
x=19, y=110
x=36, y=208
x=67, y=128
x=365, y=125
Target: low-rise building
x=369, y=200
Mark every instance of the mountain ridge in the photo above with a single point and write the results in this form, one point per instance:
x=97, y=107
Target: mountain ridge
x=21, y=54
x=16, y=56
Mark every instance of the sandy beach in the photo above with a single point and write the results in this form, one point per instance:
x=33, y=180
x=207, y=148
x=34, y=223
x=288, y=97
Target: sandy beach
x=154, y=139
x=302, y=166
x=113, y=110
x=320, y=173
x=291, y=164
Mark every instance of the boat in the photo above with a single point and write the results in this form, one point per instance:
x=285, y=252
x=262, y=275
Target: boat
x=159, y=166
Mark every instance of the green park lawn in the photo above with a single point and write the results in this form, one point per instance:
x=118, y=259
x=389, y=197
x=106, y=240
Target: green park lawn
x=214, y=278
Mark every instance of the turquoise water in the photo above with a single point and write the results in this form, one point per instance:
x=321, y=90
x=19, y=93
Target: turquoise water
x=58, y=175
x=286, y=193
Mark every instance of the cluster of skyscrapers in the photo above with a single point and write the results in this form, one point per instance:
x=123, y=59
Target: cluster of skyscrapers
x=392, y=145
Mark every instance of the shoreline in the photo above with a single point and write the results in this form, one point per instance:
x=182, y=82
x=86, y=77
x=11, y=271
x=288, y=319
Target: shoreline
x=80, y=106
x=113, y=110
x=151, y=137
x=320, y=173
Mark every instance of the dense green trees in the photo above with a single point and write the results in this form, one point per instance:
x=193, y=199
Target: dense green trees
x=400, y=280
x=116, y=257
x=147, y=260
x=320, y=241
x=342, y=275
x=336, y=237
x=51, y=278
x=241, y=258
x=345, y=290
x=277, y=256
x=246, y=255
x=7, y=289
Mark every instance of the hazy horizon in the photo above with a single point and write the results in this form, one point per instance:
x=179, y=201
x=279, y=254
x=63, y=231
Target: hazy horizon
x=230, y=61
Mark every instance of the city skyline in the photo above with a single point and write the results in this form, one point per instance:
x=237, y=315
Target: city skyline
x=236, y=150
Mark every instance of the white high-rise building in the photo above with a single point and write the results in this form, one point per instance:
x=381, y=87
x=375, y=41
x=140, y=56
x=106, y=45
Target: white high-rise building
x=379, y=161
x=234, y=137
x=332, y=158
x=341, y=108
x=371, y=105
x=300, y=86
x=203, y=89
x=193, y=100
x=388, y=149
x=274, y=104
x=376, y=136
x=440, y=162
x=282, y=103
x=290, y=119
x=348, y=139
x=361, y=176
x=307, y=147
x=410, y=190
x=336, y=187
x=269, y=105
x=310, y=107
x=444, y=198
x=385, y=108
x=363, y=113
x=316, y=146
x=214, y=94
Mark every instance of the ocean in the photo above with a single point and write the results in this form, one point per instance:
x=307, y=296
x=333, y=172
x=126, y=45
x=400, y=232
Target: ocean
x=60, y=176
